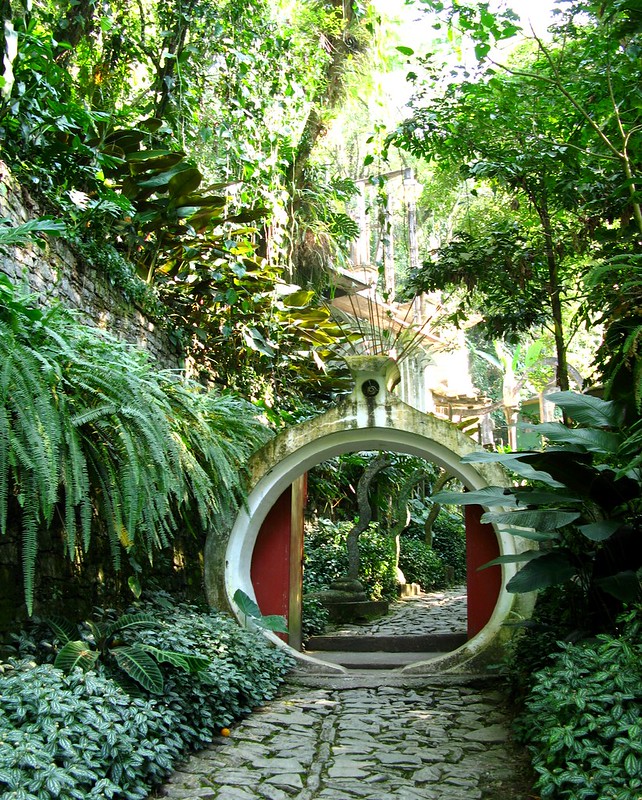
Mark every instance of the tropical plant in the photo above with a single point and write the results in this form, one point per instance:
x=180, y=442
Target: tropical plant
x=421, y=564
x=314, y=618
x=58, y=737
x=90, y=430
x=77, y=736
x=548, y=133
x=326, y=558
x=102, y=646
x=252, y=614
x=13, y=235
x=583, y=509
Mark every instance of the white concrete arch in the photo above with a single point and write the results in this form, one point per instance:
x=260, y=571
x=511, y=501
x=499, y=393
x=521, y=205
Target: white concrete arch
x=365, y=421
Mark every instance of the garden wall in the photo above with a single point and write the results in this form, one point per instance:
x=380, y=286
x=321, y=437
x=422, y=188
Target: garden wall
x=55, y=273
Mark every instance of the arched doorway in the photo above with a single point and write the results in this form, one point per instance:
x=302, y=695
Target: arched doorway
x=371, y=418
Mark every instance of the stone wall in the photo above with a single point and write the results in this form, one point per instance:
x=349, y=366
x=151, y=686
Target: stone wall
x=55, y=273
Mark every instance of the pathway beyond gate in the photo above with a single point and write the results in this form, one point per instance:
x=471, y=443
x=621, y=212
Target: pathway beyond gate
x=368, y=735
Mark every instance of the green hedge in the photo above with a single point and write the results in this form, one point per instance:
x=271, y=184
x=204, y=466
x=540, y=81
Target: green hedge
x=420, y=564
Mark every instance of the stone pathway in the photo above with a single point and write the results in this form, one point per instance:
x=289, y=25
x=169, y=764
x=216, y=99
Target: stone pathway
x=370, y=735
x=424, y=614
x=364, y=741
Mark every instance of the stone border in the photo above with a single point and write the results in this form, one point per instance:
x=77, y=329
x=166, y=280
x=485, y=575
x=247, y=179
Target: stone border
x=366, y=420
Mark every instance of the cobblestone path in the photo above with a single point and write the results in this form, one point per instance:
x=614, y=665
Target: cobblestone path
x=370, y=735
x=424, y=614
x=364, y=739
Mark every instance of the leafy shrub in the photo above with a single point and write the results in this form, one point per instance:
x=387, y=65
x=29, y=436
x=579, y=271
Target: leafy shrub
x=449, y=543
x=448, y=535
x=583, y=720
x=79, y=735
x=326, y=558
x=420, y=564
x=315, y=617
x=244, y=672
x=541, y=637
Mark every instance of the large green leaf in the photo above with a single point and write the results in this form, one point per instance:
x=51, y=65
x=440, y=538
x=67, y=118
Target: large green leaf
x=186, y=182
x=489, y=496
x=146, y=160
x=515, y=462
x=188, y=662
x=600, y=531
x=76, y=654
x=274, y=622
x=250, y=609
x=547, y=570
x=140, y=666
x=593, y=440
x=514, y=558
x=540, y=520
x=531, y=535
x=530, y=496
x=625, y=586
x=588, y=410
x=131, y=621
x=65, y=630
x=246, y=605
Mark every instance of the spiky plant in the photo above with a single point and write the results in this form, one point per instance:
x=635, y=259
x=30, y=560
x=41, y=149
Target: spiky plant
x=90, y=430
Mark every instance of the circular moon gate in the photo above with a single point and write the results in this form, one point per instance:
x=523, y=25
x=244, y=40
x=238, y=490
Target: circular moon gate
x=366, y=420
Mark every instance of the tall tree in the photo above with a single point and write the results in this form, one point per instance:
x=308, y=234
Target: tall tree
x=558, y=138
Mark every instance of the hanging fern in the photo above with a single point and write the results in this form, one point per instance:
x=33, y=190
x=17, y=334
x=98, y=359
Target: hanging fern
x=89, y=429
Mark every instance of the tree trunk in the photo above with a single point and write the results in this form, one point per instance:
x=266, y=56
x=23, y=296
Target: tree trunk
x=365, y=513
x=439, y=484
x=554, y=290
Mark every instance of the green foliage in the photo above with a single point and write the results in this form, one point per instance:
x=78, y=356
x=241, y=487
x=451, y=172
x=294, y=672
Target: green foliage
x=244, y=669
x=585, y=511
x=538, y=639
x=326, y=558
x=100, y=647
x=80, y=735
x=89, y=429
x=583, y=719
x=122, y=273
x=314, y=619
x=489, y=268
x=15, y=235
x=103, y=116
x=448, y=535
x=251, y=612
x=421, y=564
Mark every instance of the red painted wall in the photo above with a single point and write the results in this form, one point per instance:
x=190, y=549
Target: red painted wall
x=483, y=587
x=270, y=571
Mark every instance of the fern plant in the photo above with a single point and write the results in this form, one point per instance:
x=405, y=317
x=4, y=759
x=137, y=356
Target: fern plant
x=90, y=432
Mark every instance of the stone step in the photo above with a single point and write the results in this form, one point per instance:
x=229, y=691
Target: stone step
x=365, y=660
x=429, y=643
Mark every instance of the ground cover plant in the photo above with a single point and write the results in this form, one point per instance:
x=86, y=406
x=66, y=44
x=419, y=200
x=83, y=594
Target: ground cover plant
x=583, y=718
x=79, y=734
